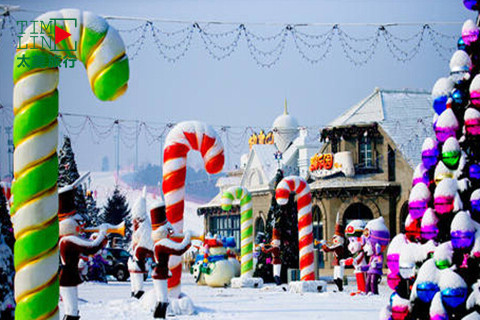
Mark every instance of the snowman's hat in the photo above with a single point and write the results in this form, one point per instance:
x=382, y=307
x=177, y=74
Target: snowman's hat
x=66, y=198
x=158, y=214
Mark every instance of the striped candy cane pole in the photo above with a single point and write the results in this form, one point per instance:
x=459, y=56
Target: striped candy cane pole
x=35, y=134
x=305, y=232
x=242, y=194
x=185, y=136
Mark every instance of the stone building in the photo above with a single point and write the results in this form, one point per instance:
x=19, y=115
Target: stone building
x=362, y=168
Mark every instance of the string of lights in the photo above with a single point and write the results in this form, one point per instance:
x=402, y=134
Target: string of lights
x=313, y=41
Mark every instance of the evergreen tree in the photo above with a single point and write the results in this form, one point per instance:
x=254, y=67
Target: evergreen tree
x=287, y=224
x=263, y=269
x=92, y=210
x=116, y=210
x=68, y=173
x=7, y=272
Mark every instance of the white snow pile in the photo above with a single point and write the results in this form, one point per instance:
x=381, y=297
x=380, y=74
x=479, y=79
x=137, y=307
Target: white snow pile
x=450, y=279
x=307, y=286
x=475, y=85
x=446, y=188
x=246, y=282
x=462, y=222
x=442, y=87
x=451, y=145
x=447, y=120
x=419, y=192
x=429, y=218
x=460, y=61
x=437, y=308
x=443, y=252
x=397, y=244
x=471, y=114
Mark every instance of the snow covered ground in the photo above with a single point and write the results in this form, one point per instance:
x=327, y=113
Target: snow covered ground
x=112, y=301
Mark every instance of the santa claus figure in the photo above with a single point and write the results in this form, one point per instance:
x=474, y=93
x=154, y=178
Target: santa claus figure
x=163, y=248
x=336, y=246
x=354, y=232
x=274, y=250
x=142, y=245
x=71, y=247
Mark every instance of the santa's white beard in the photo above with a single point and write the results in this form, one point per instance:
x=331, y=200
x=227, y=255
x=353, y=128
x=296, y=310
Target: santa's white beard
x=70, y=300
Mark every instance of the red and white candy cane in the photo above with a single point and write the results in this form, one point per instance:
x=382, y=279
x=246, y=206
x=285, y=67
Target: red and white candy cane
x=305, y=231
x=185, y=136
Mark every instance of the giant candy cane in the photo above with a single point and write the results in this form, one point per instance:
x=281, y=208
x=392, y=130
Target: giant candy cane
x=35, y=134
x=185, y=136
x=305, y=232
x=245, y=198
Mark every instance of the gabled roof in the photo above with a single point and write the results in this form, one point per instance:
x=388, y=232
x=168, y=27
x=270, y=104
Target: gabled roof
x=405, y=115
x=262, y=158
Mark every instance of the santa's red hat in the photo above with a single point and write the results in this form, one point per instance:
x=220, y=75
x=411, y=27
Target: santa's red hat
x=158, y=214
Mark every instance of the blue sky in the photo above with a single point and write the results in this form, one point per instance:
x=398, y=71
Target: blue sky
x=236, y=91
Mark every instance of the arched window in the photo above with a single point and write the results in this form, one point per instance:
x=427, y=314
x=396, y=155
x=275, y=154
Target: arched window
x=403, y=216
x=317, y=223
x=259, y=226
x=357, y=211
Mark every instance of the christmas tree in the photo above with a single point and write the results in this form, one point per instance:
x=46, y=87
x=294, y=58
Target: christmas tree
x=92, y=210
x=287, y=224
x=7, y=272
x=116, y=210
x=434, y=268
x=68, y=173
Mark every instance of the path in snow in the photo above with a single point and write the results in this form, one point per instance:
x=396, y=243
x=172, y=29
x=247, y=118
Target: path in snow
x=112, y=301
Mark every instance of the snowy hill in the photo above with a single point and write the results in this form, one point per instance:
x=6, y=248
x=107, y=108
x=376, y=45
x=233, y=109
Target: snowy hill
x=103, y=184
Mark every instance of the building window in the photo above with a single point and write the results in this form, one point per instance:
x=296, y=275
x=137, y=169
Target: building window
x=226, y=226
x=365, y=153
x=391, y=164
x=317, y=223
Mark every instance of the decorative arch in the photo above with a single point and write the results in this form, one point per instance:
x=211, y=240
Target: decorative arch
x=364, y=201
x=317, y=222
x=259, y=225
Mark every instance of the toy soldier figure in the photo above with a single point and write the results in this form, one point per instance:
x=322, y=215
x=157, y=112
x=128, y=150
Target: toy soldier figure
x=142, y=245
x=275, y=251
x=71, y=247
x=336, y=247
x=163, y=248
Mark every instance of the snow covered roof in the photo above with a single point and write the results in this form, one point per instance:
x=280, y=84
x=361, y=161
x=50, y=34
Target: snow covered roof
x=405, y=115
x=345, y=182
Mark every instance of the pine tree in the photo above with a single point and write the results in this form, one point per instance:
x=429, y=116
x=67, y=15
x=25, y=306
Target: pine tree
x=68, y=173
x=7, y=272
x=264, y=269
x=116, y=210
x=92, y=210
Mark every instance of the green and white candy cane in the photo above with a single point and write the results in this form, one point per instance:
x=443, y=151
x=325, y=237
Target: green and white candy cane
x=246, y=229
x=35, y=132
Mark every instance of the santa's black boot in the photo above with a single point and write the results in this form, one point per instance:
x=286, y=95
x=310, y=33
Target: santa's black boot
x=67, y=317
x=278, y=281
x=160, y=310
x=339, y=283
x=139, y=294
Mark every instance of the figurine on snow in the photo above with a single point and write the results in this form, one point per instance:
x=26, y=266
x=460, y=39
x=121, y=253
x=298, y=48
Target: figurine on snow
x=274, y=250
x=142, y=245
x=163, y=248
x=354, y=232
x=71, y=247
x=377, y=237
x=336, y=247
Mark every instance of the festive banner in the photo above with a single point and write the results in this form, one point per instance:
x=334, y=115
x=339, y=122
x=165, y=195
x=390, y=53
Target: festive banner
x=327, y=164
